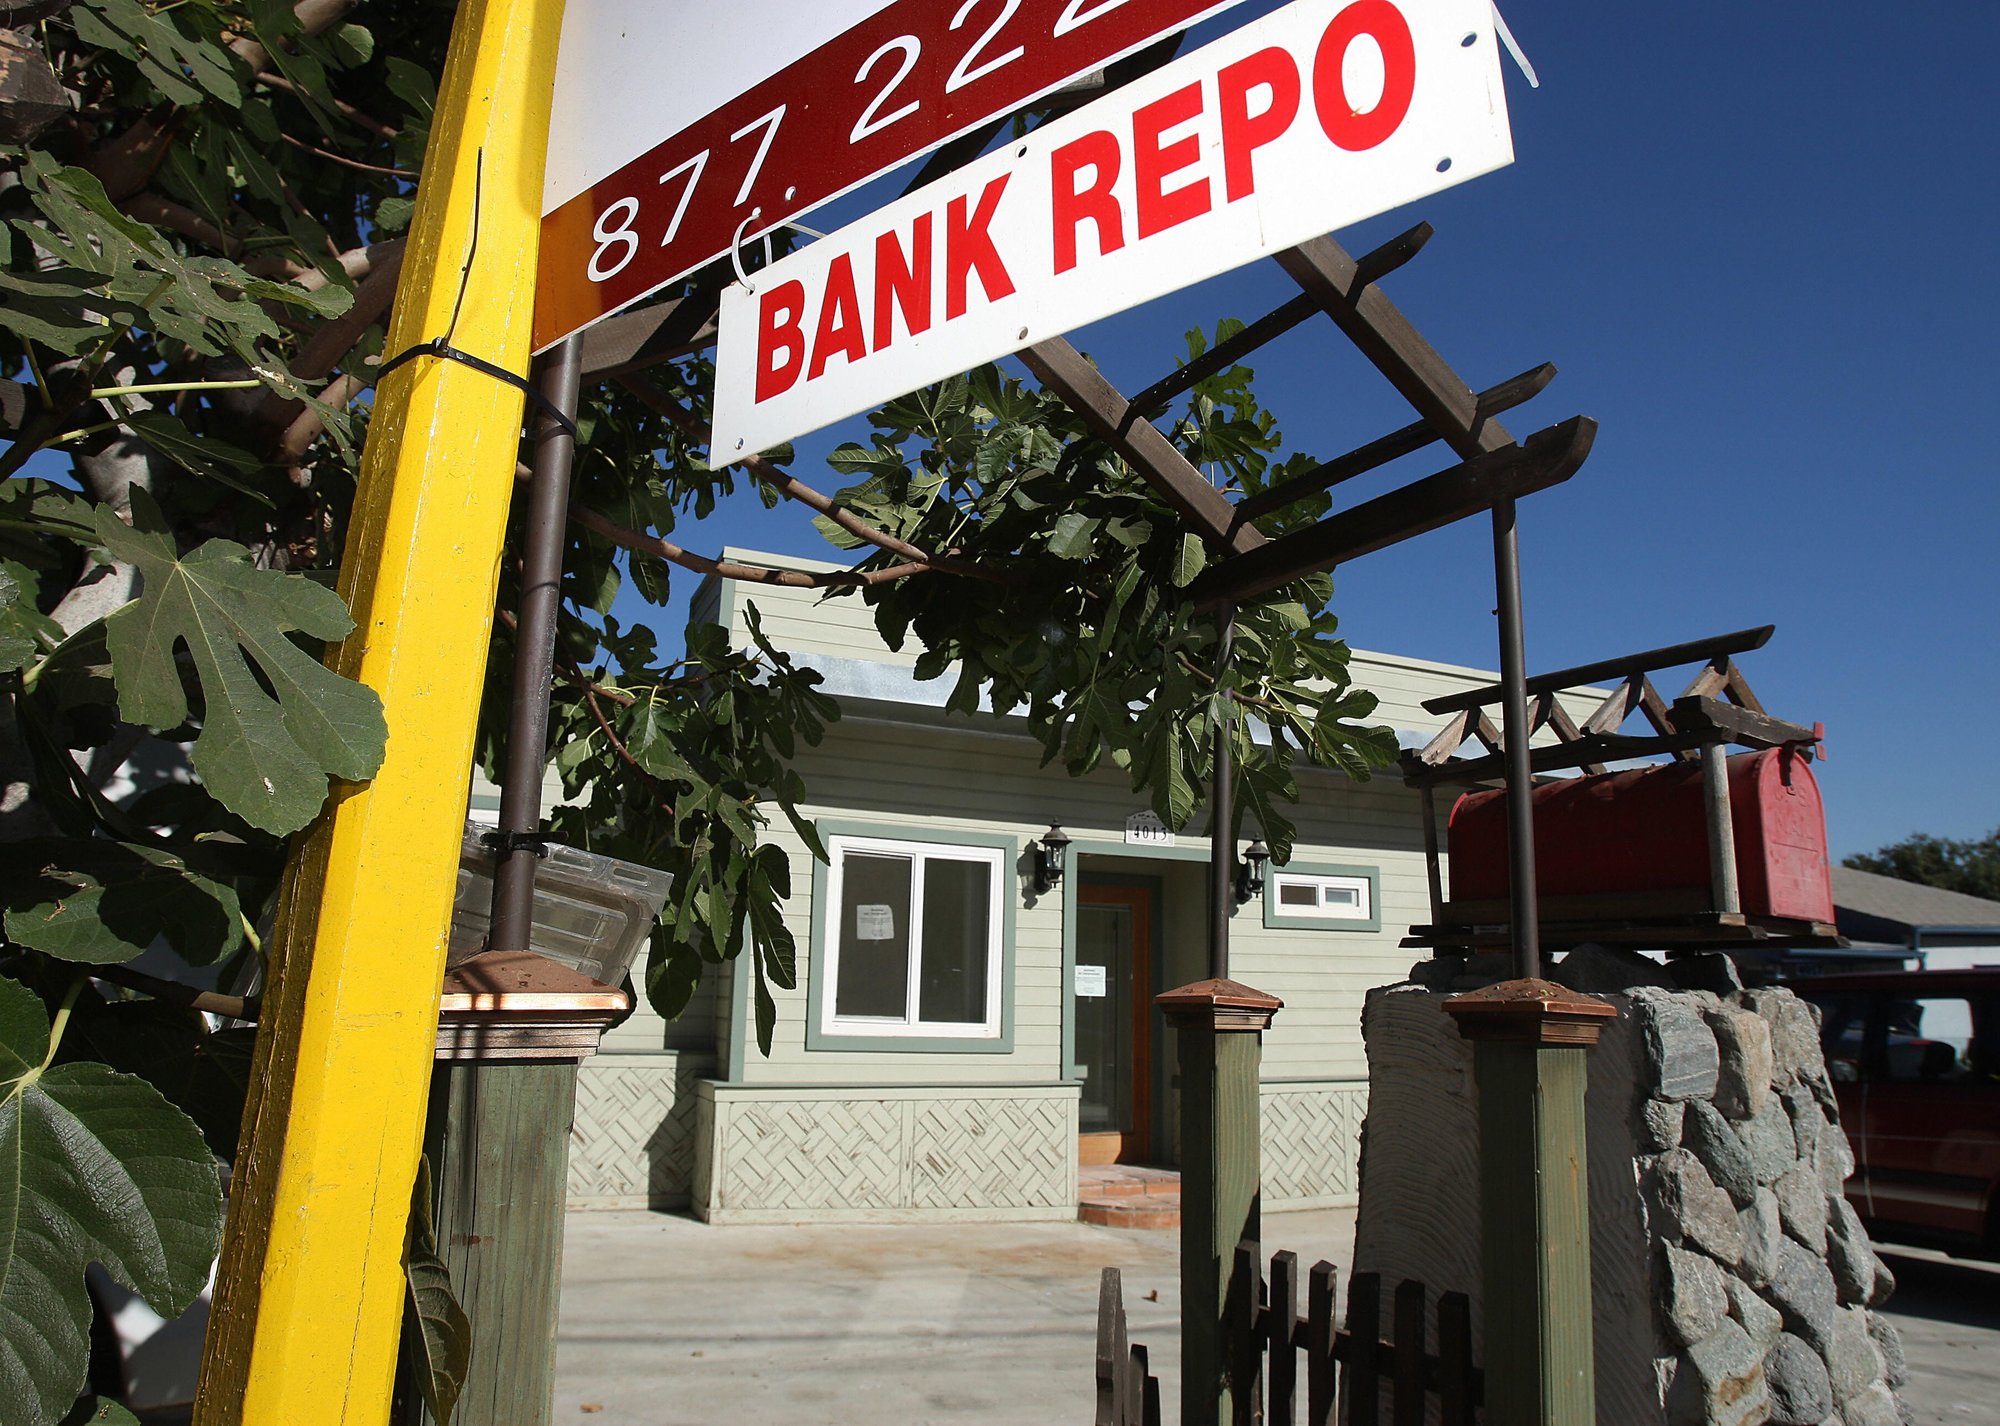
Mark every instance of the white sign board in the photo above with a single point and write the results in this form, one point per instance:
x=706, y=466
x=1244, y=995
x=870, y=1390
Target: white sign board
x=1145, y=829
x=1316, y=116
x=683, y=127
x=1090, y=984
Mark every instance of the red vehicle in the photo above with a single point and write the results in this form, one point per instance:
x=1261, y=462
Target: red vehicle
x=1915, y=1062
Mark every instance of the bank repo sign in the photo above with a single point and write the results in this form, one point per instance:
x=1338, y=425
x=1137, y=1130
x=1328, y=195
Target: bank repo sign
x=1319, y=115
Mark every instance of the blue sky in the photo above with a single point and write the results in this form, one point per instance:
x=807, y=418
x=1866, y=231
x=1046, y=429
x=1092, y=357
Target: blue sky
x=1758, y=242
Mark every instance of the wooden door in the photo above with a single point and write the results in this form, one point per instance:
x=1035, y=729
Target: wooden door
x=1112, y=1001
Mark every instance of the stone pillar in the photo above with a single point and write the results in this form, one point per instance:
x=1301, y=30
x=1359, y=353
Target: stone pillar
x=1530, y=1040
x=514, y=1028
x=1221, y=1028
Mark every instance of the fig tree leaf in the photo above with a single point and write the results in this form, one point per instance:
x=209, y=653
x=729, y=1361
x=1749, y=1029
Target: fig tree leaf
x=17, y=639
x=438, y=1331
x=100, y=902
x=95, y=1166
x=277, y=722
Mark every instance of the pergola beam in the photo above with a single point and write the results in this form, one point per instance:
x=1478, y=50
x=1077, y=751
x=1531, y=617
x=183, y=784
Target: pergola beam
x=1378, y=328
x=1549, y=458
x=1061, y=368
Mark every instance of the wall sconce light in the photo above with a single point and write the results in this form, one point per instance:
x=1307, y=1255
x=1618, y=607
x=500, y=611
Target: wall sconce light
x=1050, y=855
x=1250, y=875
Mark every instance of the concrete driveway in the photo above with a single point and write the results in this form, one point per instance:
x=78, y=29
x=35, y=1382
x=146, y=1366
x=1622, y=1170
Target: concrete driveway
x=1948, y=1313
x=668, y=1322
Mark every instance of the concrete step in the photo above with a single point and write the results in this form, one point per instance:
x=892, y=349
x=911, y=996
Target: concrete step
x=1116, y=1180
x=1131, y=1210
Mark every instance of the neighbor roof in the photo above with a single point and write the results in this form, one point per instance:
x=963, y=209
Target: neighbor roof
x=1879, y=908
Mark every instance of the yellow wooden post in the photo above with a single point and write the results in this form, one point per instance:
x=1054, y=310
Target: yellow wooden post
x=311, y=1288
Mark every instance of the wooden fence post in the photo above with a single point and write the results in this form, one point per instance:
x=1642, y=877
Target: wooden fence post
x=1530, y=1041
x=515, y=1026
x=1221, y=1025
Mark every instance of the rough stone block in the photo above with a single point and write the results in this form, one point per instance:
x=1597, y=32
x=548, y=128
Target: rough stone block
x=1801, y=1393
x=1743, y=1044
x=1889, y=1342
x=1836, y=1158
x=1707, y=1134
x=1681, y=1061
x=1885, y=1285
x=1848, y=1252
x=1659, y=1126
x=1873, y=1407
x=1768, y=1139
x=1808, y=1123
x=1852, y=1362
x=1712, y=971
x=1763, y=1231
x=1609, y=970
x=1694, y=1296
x=1753, y=1314
x=1687, y=1205
x=1795, y=1052
x=1802, y=1289
x=1802, y=1206
x=1720, y=1382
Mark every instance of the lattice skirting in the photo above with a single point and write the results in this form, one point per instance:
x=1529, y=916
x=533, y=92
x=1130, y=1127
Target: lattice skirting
x=631, y=1142
x=1311, y=1137
x=777, y=1155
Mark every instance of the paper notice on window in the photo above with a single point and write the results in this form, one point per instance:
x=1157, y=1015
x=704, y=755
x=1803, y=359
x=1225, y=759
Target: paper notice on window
x=874, y=923
x=1090, y=982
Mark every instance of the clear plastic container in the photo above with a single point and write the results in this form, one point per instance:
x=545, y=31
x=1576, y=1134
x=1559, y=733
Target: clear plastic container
x=592, y=913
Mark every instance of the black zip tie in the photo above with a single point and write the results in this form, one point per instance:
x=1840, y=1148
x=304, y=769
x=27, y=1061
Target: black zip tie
x=444, y=350
x=507, y=842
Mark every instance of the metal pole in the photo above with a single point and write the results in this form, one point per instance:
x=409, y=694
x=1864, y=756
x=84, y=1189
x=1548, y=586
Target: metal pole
x=558, y=376
x=1222, y=810
x=1524, y=918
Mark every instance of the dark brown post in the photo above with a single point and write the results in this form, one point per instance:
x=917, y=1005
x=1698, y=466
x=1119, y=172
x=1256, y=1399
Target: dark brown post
x=558, y=375
x=1523, y=913
x=514, y=1028
x=1530, y=1042
x=1221, y=1030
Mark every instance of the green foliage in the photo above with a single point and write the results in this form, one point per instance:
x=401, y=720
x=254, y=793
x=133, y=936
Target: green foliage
x=1086, y=628
x=95, y=1166
x=265, y=755
x=1968, y=866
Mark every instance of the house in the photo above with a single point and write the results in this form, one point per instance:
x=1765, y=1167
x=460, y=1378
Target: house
x=958, y=1038
x=1903, y=921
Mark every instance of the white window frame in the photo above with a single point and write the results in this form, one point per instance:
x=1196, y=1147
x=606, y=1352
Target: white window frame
x=993, y=859
x=1322, y=882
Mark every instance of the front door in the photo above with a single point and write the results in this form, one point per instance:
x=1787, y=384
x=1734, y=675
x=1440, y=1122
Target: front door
x=1113, y=1004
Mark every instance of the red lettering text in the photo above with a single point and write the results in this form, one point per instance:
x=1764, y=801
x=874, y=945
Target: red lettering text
x=1153, y=162
x=903, y=282
x=1097, y=151
x=968, y=245
x=839, y=331
x=1243, y=133
x=781, y=346
x=1345, y=125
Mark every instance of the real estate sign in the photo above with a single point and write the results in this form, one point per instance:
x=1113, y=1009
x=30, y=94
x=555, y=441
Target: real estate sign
x=682, y=127
x=1316, y=116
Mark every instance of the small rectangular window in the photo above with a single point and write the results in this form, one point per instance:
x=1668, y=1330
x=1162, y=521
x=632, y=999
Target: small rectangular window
x=1329, y=897
x=914, y=947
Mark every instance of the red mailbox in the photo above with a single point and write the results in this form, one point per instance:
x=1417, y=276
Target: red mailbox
x=1645, y=832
